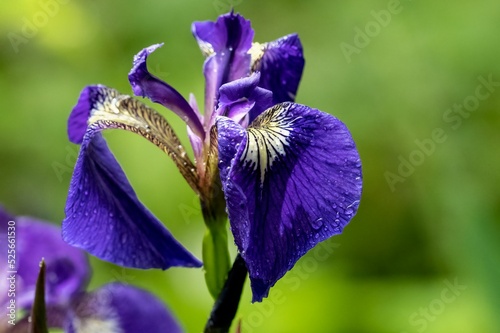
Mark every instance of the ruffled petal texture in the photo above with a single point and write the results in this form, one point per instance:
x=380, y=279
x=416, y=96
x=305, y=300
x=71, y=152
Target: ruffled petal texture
x=103, y=214
x=119, y=308
x=281, y=63
x=291, y=180
x=225, y=43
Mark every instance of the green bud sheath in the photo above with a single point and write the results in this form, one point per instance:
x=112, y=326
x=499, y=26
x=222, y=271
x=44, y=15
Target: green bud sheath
x=216, y=260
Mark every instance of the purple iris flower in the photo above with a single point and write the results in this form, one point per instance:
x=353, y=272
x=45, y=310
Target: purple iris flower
x=112, y=308
x=288, y=175
x=30, y=240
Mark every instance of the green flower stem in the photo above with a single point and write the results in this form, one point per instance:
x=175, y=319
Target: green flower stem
x=216, y=258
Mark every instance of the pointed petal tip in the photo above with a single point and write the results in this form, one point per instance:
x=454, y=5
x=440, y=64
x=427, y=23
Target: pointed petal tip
x=260, y=288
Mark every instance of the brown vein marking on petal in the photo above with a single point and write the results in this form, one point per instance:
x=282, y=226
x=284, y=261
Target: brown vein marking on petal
x=114, y=110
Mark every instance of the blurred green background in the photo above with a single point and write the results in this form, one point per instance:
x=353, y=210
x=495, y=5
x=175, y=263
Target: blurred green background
x=423, y=252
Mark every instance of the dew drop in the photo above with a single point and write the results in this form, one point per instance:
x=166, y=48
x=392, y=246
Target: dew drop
x=318, y=223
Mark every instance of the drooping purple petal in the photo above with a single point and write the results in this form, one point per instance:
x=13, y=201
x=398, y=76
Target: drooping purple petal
x=119, y=308
x=67, y=272
x=291, y=180
x=281, y=63
x=105, y=217
x=241, y=97
x=147, y=85
x=225, y=43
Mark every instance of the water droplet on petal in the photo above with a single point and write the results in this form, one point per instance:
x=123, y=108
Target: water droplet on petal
x=317, y=224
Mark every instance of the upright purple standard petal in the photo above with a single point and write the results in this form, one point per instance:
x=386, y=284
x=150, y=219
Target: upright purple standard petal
x=281, y=63
x=225, y=43
x=118, y=308
x=105, y=217
x=292, y=180
x=147, y=85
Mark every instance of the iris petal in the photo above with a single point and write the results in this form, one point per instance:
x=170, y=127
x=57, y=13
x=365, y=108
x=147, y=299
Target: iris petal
x=241, y=97
x=147, y=85
x=281, y=63
x=103, y=214
x=225, y=43
x=291, y=180
x=105, y=217
x=117, y=308
x=106, y=108
x=68, y=270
